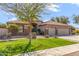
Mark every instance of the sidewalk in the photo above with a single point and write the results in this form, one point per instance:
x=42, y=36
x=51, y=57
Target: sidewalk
x=58, y=51
x=74, y=38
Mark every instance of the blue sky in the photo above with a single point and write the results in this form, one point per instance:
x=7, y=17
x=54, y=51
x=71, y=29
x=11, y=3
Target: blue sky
x=64, y=9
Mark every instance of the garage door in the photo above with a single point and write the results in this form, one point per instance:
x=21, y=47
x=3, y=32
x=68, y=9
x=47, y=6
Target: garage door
x=63, y=31
x=51, y=31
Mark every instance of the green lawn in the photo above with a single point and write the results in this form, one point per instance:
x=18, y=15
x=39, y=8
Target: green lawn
x=18, y=46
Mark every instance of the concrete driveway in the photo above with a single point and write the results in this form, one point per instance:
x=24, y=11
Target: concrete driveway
x=72, y=54
x=72, y=38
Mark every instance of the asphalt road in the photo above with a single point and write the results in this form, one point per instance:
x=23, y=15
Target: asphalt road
x=73, y=54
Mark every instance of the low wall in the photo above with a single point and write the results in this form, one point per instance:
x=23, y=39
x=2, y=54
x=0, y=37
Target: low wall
x=3, y=31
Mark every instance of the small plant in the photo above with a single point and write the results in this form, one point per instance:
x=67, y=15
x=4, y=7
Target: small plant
x=3, y=26
x=75, y=31
x=13, y=28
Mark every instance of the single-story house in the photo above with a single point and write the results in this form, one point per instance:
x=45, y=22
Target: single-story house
x=23, y=26
x=54, y=28
x=51, y=28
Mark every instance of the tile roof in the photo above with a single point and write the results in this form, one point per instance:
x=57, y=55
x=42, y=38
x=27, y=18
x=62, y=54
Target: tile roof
x=18, y=22
x=54, y=23
x=38, y=22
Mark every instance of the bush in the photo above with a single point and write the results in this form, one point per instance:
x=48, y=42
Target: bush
x=75, y=31
x=3, y=26
x=13, y=28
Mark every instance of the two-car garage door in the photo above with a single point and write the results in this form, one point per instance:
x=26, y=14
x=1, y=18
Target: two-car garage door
x=63, y=31
x=59, y=31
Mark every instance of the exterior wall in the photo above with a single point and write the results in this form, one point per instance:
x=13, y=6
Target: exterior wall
x=42, y=28
x=51, y=31
x=24, y=30
x=3, y=31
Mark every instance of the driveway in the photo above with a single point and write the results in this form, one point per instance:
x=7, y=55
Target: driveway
x=73, y=54
x=72, y=38
x=58, y=51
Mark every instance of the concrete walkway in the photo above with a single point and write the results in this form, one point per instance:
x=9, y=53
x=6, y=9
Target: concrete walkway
x=74, y=38
x=58, y=51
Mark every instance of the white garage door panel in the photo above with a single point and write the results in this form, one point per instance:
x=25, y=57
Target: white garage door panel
x=63, y=31
x=51, y=31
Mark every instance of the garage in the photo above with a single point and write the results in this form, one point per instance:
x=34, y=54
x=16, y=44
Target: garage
x=57, y=28
x=58, y=31
x=62, y=31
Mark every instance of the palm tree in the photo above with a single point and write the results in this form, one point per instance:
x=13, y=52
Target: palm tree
x=76, y=18
x=25, y=11
x=61, y=19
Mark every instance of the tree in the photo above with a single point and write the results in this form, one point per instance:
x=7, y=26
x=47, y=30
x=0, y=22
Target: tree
x=61, y=19
x=27, y=12
x=76, y=18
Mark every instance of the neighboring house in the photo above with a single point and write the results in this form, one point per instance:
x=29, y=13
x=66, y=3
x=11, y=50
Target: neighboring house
x=3, y=31
x=51, y=28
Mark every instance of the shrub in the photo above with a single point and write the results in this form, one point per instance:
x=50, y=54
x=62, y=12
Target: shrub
x=76, y=31
x=13, y=28
x=3, y=26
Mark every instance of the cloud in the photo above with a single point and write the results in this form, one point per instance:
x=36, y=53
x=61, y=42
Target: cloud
x=53, y=7
x=12, y=19
x=77, y=4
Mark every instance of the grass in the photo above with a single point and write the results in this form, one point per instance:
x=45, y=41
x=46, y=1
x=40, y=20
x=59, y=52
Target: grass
x=18, y=46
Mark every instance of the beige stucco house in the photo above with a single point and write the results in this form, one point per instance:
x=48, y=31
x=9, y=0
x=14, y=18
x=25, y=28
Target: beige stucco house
x=51, y=28
x=54, y=28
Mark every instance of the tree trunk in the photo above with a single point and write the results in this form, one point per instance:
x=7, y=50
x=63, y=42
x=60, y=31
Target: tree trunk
x=30, y=32
x=29, y=43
